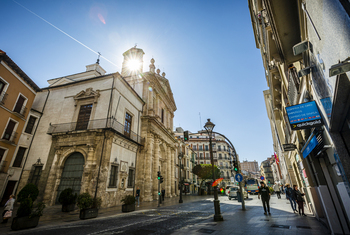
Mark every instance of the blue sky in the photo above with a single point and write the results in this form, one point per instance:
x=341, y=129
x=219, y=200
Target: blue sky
x=206, y=49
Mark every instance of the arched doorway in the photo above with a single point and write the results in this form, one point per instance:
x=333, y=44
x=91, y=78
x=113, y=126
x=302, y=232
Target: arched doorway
x=72, y=174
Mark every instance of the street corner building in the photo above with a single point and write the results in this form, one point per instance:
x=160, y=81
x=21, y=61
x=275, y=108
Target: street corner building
x=305, y=49
x=87, y=138
x=160, y=146
x=17, y=123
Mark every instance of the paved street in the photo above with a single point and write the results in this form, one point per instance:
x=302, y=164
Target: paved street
x=195, y=217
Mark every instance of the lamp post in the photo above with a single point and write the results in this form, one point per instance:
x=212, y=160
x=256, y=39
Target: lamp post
x=180, y=180
x=209, y=126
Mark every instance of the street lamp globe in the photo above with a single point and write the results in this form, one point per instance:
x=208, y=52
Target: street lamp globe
x=209, y=126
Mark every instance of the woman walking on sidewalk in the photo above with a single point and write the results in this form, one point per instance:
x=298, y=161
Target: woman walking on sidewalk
x=265, y=197
x=276, y=188
x=137, y=197
x=8, y=209
x=298, y=197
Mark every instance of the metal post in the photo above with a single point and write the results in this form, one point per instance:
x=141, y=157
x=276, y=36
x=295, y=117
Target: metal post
x=217, y=215
x=180, y=181
x=159, y=197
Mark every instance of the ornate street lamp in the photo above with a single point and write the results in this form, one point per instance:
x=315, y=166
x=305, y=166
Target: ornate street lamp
x=209, y=126
x=180, y=181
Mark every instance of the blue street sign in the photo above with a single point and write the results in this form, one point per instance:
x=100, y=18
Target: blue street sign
x=262, y=177
x=239, y=177
x=304, y=116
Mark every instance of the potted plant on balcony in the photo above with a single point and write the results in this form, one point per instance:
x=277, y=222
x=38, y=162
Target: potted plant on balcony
x=68, y=200
x=128, y=203
x=28, y=213
x=88, y=206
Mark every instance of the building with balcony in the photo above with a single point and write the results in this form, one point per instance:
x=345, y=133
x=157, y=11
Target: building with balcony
x=223, y=154
x=307, y=61
x=17, y=93
x=266, y=171
x=87, y=138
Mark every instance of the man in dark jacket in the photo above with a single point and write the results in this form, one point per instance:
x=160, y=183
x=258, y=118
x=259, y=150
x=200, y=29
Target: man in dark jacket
x=290, y=196
x=264, y=191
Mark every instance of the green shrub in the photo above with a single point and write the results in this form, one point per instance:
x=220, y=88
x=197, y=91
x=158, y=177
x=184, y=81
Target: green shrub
x=128, y=200
x=26, y=197
x=85, y=201
x=67, y=197
x=29, y=191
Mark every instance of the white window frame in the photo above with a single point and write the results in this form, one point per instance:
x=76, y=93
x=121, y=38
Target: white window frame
x=14, y=129
x=24, y=103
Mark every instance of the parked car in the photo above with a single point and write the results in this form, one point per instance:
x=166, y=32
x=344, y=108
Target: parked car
x=227, y=188
x=232, y=193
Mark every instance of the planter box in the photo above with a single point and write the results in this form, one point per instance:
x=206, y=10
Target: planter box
x=128, y=208
x=68, y=208
x=19, y=223
x=88, y=213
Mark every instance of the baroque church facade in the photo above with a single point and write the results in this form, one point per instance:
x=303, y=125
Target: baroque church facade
x=105, y=134
x=160, y=149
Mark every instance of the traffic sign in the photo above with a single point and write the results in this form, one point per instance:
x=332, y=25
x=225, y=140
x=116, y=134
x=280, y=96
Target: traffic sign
x=262, y=177
x=232, y=179
x=239, y=177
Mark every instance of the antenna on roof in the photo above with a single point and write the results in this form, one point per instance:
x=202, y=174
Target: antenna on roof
x=135, y=45
x=98, y=58
x=200, y=121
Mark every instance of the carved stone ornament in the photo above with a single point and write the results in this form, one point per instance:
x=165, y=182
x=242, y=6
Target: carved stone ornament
x=123, y=166
x=88, y=93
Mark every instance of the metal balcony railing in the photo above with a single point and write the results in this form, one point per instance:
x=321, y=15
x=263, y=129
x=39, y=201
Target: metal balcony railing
x=93, y=125
x=9, y=137
x=3, y=165
x=3, y=98
x=21, y=111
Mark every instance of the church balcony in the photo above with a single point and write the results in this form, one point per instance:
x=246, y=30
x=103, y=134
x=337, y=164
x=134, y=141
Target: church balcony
x=107, y=123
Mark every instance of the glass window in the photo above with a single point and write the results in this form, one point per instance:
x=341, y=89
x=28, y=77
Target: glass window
x=84, y=117
x=113, y=176
x=127, y=126
x=200, y=147
x=19, y=157
x=206, y=148
x=131, y=178
x=30, y=125
x=9, y=130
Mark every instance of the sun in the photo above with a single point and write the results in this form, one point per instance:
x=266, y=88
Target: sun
x=133, y=64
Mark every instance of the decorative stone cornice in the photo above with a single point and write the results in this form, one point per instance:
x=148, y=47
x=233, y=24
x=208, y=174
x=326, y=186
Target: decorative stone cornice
x=88, y=93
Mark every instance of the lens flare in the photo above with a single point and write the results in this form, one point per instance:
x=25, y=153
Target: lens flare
x=101, y=18
x=150, y=89
x=133, y=64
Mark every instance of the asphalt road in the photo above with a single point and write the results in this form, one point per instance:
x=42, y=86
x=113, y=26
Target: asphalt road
x=163, y=220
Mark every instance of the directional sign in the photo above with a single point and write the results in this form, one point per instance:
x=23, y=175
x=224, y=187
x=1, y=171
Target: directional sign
x=239, y=177
x=289, y=147
x=262, y=177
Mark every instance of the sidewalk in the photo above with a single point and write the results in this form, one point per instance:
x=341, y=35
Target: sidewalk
x=53, y=216
x=253, y=221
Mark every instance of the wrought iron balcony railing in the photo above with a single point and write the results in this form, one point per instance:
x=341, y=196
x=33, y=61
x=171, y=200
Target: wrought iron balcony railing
x=9, y=137
x=3, y=97
x=3, y=165
x=21, y=111
x=107, y=123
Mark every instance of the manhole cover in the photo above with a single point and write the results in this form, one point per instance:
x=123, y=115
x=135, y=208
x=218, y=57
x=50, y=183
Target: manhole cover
x=281, y=226
x=265, y=220
x=204, y=230
x=306, y=227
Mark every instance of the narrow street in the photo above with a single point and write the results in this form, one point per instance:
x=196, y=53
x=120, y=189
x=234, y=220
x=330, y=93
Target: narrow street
x=191, y=218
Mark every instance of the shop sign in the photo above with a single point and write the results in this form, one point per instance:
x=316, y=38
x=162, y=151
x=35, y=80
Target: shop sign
x=304, y=116
x=312, y=144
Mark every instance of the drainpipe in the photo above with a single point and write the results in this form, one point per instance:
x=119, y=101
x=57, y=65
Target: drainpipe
x=104, y=139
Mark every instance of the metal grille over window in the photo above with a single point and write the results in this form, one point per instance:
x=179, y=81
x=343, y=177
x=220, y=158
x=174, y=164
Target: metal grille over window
x=84, y=117
x=293, y=85
x=131, y=178
x=113, y=176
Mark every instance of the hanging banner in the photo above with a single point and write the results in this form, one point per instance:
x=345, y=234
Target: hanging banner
x=304, y=116
x=277, y=159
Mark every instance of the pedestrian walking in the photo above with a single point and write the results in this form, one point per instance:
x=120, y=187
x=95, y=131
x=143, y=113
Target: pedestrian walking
x=8, y=209
x=282, y=189
x=264, y=191
x=290, y=197
x=299, y=199
x=277, y=189
x=163, y=193
x=137, y=197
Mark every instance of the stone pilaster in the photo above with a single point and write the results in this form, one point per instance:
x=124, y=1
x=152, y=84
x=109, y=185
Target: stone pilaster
x=148, y=169
x=168, y=172
x=155, y=168
x=172, y=181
